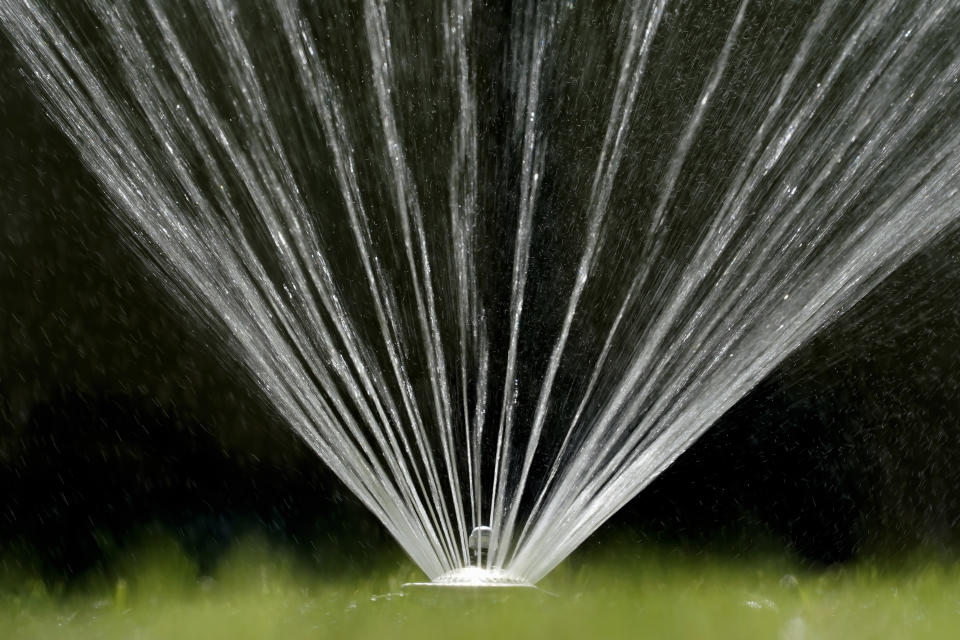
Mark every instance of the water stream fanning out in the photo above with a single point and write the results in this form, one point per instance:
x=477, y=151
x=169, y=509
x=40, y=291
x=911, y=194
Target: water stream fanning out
x=499, y=264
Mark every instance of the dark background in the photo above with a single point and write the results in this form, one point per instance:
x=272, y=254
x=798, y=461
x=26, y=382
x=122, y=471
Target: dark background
x=116, y=417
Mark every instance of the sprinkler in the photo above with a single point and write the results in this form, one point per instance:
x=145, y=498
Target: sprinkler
x=474, y=577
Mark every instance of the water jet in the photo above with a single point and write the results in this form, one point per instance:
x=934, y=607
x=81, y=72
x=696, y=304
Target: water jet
x=496, y=341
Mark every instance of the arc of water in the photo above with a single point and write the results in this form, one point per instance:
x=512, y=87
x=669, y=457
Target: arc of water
x=318, y=87
x=533, y=149
x=463, y=213
x=607, y=169
x=408, y=208
x=292, y=212
x=84, y=107
x=599, y=433
x=916, y=116
x=884, y=240
x=813, y=32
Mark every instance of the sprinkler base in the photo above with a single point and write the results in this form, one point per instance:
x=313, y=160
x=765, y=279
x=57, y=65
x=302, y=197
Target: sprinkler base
x=471, y=578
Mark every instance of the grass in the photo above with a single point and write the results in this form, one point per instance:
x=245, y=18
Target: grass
x=258, y=592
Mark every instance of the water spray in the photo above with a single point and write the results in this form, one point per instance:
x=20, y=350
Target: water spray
x=538, y=319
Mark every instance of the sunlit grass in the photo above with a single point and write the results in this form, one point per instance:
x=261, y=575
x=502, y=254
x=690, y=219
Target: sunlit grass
x=257, y=591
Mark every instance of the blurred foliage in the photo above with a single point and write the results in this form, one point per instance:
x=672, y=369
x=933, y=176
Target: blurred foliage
x=261, y=591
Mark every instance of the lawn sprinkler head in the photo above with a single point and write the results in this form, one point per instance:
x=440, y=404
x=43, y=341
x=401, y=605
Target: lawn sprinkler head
x=475, y=577
x=471, y=579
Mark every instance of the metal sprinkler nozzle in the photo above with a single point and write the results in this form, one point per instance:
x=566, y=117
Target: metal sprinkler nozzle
x=479, y=541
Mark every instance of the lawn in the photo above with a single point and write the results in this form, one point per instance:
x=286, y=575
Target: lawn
x=622, y=590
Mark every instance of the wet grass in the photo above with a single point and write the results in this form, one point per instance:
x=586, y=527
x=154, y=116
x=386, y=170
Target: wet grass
x=256, y=591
